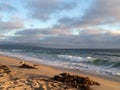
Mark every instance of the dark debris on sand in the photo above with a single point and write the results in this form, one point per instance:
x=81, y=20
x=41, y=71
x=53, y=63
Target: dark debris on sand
x=27, y=66
x=75, y=81
x=5, y=69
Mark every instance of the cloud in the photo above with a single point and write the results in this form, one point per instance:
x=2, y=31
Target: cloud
x=79, y=31
x=12, y=24
x=6, y=7
x=30, y=35
x=6, y=27
x=2, y=37
x=60, y=30
x=103, y=11
x=44, y=9
x=86, y=38
x=9, y=20
x=99, y=13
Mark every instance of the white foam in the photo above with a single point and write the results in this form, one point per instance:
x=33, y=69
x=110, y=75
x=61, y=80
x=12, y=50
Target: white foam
x=94, y=69
x=75, y=58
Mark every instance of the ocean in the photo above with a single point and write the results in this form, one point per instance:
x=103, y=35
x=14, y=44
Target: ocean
x=98, y=61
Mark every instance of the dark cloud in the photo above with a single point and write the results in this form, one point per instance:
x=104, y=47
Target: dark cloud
x=86, y=38
x=31, y=35
x=43, y=9
x=35, y=32
x=103, y=11
x=100, y=12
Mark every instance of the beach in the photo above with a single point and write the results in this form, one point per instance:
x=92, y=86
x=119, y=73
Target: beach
x=45, y=71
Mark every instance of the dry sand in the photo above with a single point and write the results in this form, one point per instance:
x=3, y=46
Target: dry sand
x=27, y=79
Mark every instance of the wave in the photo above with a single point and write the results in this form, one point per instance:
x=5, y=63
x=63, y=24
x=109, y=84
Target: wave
x=17, y=50
x=108, y=54
x=75, y=58
x=106, y=63
x=91, y=60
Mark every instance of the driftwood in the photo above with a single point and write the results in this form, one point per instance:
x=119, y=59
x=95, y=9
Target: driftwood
x=75, y=81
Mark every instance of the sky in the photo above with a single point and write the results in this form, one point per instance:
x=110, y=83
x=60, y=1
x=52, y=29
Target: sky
x=61, y=23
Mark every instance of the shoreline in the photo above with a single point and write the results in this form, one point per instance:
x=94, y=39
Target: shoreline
x=77, y=71
x=49, y=71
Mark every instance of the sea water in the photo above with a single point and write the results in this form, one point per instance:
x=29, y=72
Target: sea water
x=99, y=61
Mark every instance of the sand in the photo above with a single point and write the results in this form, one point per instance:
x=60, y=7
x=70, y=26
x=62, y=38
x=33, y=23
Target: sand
x=38, y=79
